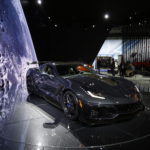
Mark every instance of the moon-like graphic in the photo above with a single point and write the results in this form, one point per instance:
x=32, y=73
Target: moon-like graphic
x=16, y=50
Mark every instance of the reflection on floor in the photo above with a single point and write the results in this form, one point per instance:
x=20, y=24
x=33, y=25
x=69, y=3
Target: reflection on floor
x=37, y=125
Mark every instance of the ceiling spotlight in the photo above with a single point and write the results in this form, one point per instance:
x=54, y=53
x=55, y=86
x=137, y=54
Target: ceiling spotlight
x=106, y=16
x=39, y=2
x=130, y=18
x=93, y=26
x=55, y=25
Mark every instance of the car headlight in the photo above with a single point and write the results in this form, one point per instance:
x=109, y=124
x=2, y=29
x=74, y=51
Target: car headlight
x=136, y=89
x=92, y=94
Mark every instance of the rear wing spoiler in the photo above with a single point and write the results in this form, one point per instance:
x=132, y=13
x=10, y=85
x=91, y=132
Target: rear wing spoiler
x=37, y=62
x=30, y=63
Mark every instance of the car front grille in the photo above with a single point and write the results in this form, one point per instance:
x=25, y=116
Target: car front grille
x=128, y=108
x=112, y=111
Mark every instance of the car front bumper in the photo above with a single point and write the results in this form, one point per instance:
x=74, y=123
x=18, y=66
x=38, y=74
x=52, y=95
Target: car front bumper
x=105, y=113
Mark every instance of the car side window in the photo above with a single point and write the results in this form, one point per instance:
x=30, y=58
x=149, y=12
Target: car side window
x=48, y=70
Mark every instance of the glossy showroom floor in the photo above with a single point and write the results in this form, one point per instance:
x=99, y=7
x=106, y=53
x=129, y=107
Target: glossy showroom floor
x=37, y=125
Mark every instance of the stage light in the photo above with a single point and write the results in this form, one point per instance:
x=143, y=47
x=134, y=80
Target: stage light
x=106, y=16
x=93, y=26
x=55, y=25
x=39, y=2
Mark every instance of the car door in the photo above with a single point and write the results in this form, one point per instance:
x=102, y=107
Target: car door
x=51, y=85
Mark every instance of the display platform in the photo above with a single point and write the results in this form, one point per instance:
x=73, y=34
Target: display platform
x=37, y=125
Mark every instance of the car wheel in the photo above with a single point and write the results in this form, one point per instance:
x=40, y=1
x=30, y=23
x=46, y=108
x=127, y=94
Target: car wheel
x=70, y=105
x=29, y=85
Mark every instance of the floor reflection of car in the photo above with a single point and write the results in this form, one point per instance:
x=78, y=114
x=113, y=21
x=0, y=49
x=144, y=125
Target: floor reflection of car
x=82, y=93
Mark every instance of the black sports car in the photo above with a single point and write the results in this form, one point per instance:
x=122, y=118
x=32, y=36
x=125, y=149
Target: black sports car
x=83, y=93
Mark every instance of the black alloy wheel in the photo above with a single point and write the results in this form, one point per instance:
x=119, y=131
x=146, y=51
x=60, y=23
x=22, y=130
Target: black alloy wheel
x=70, y=105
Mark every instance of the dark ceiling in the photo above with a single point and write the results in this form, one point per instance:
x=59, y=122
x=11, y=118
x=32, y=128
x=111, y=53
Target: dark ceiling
x=75, y=30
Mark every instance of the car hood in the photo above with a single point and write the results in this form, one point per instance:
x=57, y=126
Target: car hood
x=110, y=87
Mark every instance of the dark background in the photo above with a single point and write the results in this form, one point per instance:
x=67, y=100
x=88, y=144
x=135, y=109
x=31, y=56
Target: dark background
x=75, y=30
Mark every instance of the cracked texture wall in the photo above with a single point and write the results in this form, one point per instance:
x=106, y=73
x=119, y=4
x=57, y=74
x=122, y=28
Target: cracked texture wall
x=16, y=49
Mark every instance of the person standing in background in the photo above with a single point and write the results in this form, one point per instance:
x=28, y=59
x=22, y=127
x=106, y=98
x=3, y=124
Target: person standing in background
x=112, y=67
x=98, y=61
x=122, y=67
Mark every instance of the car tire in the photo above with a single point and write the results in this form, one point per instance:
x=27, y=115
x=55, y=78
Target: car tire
x=70, y=105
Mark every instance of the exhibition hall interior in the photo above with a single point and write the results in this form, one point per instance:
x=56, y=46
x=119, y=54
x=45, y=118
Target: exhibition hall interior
x=74, y=75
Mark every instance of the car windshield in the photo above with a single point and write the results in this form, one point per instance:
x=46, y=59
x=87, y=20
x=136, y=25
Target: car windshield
x=73, y=69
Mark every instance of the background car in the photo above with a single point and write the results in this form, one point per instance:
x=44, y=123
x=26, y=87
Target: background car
x=130, y=70
x=82, y=93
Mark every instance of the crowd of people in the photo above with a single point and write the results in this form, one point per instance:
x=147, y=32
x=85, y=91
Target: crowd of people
x=124, y=69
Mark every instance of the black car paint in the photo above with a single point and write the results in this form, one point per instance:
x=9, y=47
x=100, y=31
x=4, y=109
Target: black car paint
x=52, y=87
